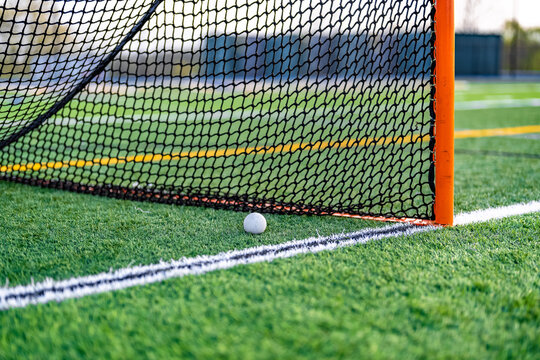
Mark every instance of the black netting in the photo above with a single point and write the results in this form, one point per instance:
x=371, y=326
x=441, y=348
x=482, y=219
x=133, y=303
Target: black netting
x=312, y=106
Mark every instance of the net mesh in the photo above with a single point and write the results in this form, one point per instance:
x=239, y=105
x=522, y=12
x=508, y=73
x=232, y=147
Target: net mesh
x=289, y=106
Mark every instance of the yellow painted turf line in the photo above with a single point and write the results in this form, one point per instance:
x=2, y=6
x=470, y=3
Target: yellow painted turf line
x=213, y=153
x=463, y=134
x=262, y=150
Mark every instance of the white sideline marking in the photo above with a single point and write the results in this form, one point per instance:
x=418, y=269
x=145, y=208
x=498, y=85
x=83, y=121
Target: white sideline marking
x=229, y=115
x=51, y=290
x=497, y=213
x=302, y=113
x=496, y=104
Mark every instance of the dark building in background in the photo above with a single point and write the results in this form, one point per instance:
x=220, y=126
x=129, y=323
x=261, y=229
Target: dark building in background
x=413, y=54
x=349, y=55
x=282, y=57
x=218, y=56
x=478, y=55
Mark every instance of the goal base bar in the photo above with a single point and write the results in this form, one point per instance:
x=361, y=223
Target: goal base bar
x=124, y=193
x=413, y=221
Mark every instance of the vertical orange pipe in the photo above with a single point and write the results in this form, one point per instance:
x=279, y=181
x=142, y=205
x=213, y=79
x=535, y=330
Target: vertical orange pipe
x=444, y=112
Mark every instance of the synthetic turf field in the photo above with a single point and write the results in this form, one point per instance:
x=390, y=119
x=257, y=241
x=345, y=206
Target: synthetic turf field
x=222, y=142
x=471, y=291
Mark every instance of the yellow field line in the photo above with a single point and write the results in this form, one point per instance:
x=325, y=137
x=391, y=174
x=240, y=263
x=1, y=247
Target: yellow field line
x=497, y=132
x=260, y=150
x=212, y=153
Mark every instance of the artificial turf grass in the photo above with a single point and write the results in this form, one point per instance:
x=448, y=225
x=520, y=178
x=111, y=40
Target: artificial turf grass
x=477, y=91
x=467, y=292
x=497, y=118
x=52, y=233
x=112, y=231
x=483, y=181
x=468, y=295
x=187, y=180
x=197, y=157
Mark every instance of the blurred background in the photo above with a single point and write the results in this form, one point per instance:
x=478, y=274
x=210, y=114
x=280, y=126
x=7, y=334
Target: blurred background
x=498, y=38
x=494, y=38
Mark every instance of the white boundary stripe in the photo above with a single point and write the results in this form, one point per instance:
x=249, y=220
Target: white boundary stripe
x=496, y=104
x=229, y=115
x=301, y=113
x=497, y=213
x=50, y=290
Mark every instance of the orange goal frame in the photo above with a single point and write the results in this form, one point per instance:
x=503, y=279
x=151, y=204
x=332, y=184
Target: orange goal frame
x=444, y=112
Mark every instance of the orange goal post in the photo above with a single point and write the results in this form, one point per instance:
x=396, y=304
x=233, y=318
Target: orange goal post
x=444, y=111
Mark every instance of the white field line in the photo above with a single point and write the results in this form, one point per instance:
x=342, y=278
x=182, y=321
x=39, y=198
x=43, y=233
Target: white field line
x=496, y=104
x=239, y=114
x=51, y=290
x=480, y=216
x=180, y=118
x=202, y=118
x=195, y=117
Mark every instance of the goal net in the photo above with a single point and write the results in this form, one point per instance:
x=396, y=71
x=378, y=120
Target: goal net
x=306, y=107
